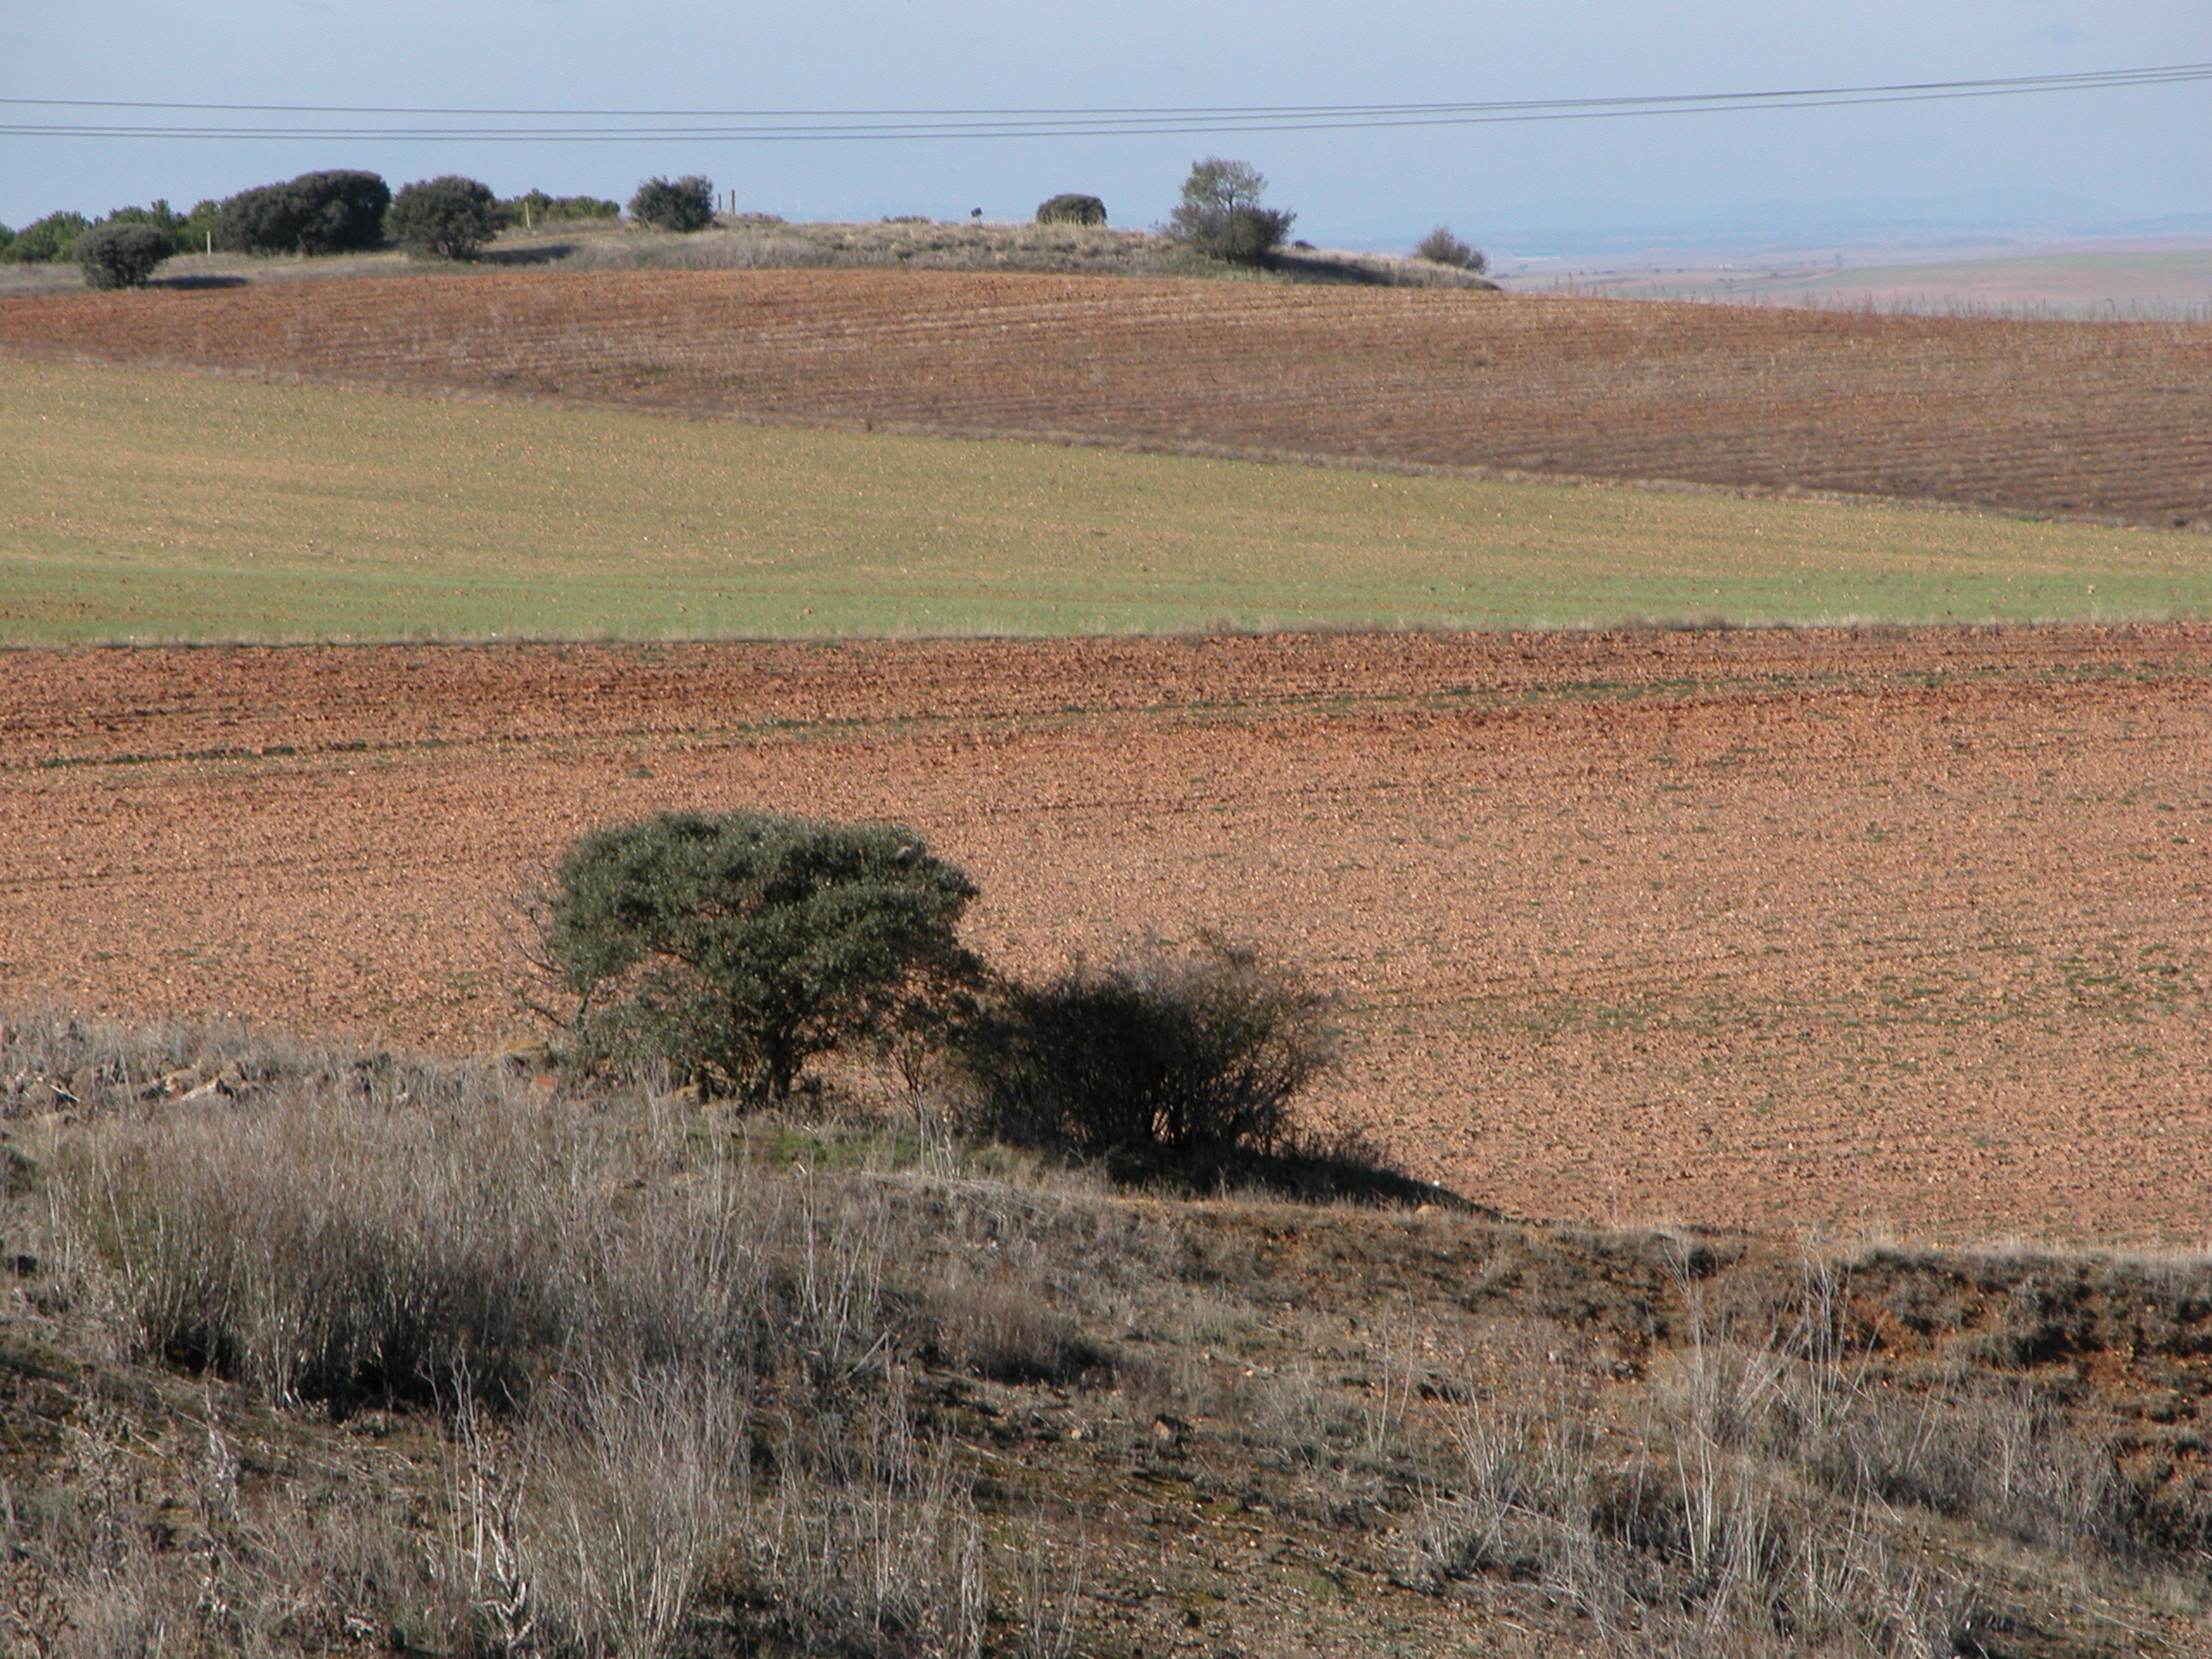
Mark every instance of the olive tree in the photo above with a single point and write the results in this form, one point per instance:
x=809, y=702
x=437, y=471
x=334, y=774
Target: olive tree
x=736, y=947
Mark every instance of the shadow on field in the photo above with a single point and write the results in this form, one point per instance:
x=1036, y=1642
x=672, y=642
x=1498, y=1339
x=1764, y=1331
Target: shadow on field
x=535, y=253
x=1347, y=1172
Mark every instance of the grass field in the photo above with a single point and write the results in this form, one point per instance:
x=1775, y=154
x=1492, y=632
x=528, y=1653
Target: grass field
x=147, y=506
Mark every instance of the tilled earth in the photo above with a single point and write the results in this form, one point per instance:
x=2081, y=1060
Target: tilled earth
x=2108, y=421
x=1821, y=930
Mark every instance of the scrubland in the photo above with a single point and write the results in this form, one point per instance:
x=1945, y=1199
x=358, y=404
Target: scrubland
x=320, y=1350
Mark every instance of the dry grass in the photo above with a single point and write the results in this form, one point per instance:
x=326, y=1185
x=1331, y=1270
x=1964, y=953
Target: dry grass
x=622, y=1329
x=752, y=243
x=449, y=1362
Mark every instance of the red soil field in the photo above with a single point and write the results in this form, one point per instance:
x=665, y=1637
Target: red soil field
x=2099, y=420
x=1782, y=929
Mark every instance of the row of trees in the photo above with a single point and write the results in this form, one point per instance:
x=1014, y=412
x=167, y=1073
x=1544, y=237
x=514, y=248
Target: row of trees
x=1221, y=214
x=735, y=948
x=334, y=211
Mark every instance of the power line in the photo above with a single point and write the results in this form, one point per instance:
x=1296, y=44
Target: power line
x=618, y=126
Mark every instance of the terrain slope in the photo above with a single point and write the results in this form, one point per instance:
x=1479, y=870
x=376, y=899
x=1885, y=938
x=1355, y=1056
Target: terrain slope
x=139, y=505
x=1789, y=929
x=2099, y=420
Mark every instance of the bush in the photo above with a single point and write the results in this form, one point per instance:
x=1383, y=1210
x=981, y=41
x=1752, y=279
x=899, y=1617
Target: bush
x=1220, y=212
x=449, y=217
x=122, y=256
x=45, y=241
x=1165, y=1061
x=1441, y=247
x=1071, y=210
x=684, y=204
x=535, y=207
x=736, y=948
x=197, y=230
x=317, y=213
x=161, y=216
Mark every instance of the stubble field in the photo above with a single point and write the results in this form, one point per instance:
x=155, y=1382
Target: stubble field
x=2097, y=420
x=1809, y=930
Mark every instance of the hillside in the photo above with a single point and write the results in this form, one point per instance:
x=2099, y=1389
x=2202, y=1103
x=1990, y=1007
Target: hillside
x=2099, y=421
x=339, y=1352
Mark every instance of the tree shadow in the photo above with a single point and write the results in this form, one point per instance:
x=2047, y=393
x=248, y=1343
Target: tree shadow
x=536, y=253
x=1344, y=1169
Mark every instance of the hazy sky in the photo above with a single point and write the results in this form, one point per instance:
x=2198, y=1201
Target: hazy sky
x=2074, y=160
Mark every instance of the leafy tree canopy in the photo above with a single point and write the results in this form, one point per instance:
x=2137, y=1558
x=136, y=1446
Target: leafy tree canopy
x=449, y=217
x=684, y=204
x=737, y=947
x=317, y=213
x=1220, y=212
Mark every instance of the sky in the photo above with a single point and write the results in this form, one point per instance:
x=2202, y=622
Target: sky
x=2068, y=163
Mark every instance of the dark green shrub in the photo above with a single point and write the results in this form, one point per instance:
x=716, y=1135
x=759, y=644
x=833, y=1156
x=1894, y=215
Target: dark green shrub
x=198, y=232
x=684, y=204
x=161, y=216
x=534, y=207
x=122, y=256
x=449, y=217
x=1166, y=1062
x=737, y=947
x=1441, y=247
x=45, y=241
x=317, y=213
x=7, y=236
x=1071, y=210
x=1220, y=212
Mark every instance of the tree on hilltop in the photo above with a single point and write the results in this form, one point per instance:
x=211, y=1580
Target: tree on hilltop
x=684, y=204
x=449, y=217
x=317, y=212
x=1220, y=212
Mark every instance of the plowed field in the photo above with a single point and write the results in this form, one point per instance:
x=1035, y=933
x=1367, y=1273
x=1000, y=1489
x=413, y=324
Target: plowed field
x=1788, y=930
x=2109, y=420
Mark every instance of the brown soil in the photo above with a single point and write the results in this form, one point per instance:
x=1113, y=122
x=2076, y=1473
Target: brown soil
x=2103, y=420
x=1779, y=930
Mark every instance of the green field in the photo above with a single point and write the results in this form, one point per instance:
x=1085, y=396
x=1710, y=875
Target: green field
x=142, y=506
